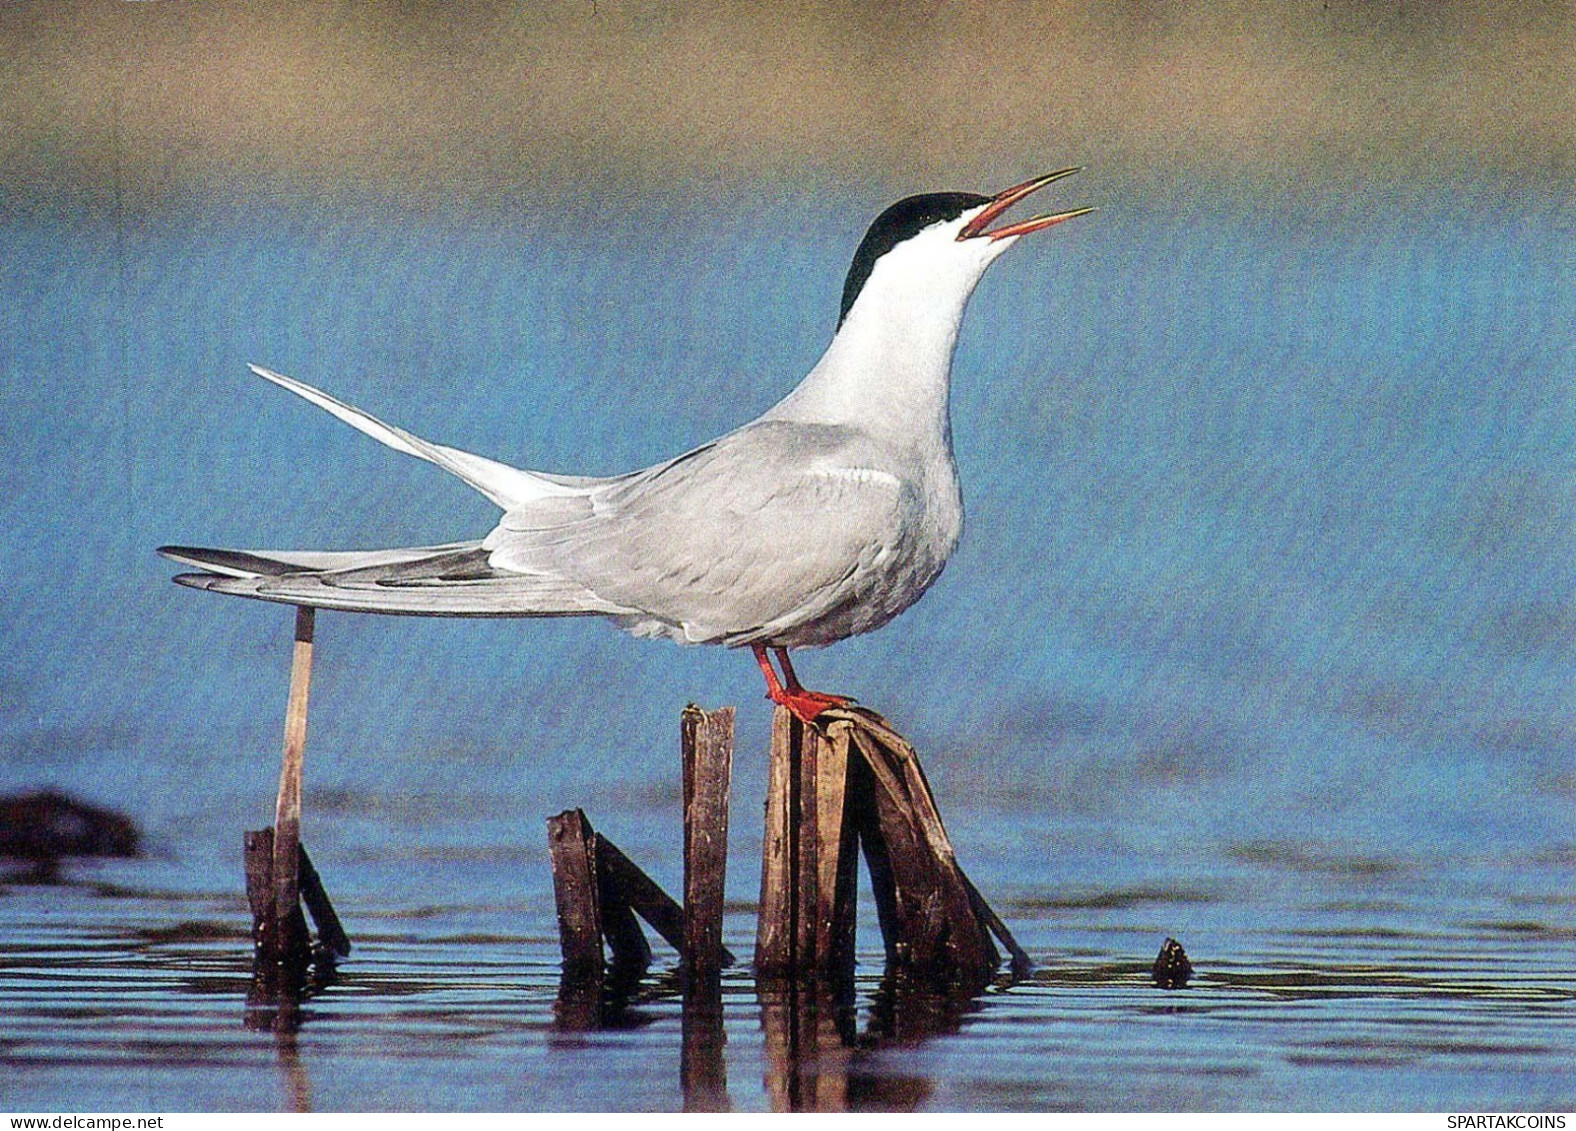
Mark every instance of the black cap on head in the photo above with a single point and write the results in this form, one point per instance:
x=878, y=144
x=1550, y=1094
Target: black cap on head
x=906, y=218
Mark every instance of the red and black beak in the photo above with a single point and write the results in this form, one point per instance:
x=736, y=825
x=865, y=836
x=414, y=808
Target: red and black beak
x=1005, y=200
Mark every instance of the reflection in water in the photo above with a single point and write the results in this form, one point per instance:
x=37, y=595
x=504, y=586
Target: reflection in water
x=585, y=1005
x=589, y=1004
x=298, y=1088
x=283, y=1017
x=816, y=1057
x=703, y=1071
x=450, y=1022
x=817, y=1060
x=810, y=1034
x=274, y=999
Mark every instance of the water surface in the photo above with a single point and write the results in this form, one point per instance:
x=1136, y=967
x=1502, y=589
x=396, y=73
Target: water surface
x=1260, y=636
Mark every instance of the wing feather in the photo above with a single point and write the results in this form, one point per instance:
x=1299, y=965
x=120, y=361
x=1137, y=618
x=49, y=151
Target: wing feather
x=742, y=535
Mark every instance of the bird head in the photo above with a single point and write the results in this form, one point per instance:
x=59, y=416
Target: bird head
x=943, y=241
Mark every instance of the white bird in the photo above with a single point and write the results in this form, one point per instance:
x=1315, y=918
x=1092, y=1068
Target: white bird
x=824, y=518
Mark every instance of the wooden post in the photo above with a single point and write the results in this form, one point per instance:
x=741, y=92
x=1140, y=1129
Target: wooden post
x=706, y=741
x=774, y=930
x=848, y=782
x=575, y=891
x=808, y=870
x=330, y=932
x=279, y=873
x=281, y=947
x=631, y=951
x=287, y=811
x=935, y=928
x=836, y=891
x=282, y=950
x=644, y=897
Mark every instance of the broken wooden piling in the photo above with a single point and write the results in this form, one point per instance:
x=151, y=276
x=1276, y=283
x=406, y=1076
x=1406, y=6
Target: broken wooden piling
x=849, y=782
x=706, y=743
x=844, y=783
x=287, y=809
x=280, y=877
x=575, y=894
x=599, y=892
x=285, y=957
x=808, y=864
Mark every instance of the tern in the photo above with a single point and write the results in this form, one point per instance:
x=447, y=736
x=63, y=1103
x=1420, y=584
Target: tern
x=825, y=518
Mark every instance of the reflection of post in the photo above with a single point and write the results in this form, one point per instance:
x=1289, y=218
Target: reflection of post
x=703, y=1071
x=297, y=1086
x=809, y=1030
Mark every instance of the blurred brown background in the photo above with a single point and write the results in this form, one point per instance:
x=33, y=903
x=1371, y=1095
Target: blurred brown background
x=483, y=103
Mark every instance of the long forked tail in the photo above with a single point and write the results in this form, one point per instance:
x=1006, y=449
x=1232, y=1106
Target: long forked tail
x=506, y=486
x=445, y=581
x=451, y=580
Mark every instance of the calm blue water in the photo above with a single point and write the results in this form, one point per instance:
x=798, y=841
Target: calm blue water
x=1263, y=634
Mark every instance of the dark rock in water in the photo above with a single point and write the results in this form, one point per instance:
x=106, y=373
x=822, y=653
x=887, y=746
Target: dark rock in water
x=48, y=825
x=1172, y=969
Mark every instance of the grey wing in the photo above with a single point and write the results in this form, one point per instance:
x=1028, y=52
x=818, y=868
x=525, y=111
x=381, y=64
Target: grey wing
x=769, y=527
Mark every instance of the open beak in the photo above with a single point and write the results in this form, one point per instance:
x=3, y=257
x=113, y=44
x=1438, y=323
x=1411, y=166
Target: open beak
x=1005, y=200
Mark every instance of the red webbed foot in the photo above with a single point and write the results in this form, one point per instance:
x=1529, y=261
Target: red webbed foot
x=806, y=705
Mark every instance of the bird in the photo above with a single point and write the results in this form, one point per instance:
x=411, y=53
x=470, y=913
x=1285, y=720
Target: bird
x=824, y=518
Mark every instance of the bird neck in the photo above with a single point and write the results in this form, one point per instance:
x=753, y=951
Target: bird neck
x=888, y=369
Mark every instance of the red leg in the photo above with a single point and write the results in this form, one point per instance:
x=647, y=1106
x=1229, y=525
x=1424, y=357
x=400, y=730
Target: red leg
x=790, y=677
x=774, y=689
x=806, y=705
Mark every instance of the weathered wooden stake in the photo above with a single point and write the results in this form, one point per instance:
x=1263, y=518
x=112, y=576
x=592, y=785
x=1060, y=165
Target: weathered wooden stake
x=850, y=782
x=936, y=931
x=598, y=892
x=808, y=868
x=287, y=811
x=281, y=947
x=645, y=898
x=330, y=932
x=706, y=742
x=576, y=894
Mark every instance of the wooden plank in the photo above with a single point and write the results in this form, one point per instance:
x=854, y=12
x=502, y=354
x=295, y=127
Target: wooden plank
x=648, y=900
x=809, y=874
x=1022, y=964
x=865, y=823
x=838, y=875
x=775, y=927
x=576, y=894
x=287, y=809
x=644, y=896
x=329, y=929
x=259, y=848
x=624, y=937
x=938, y=932
x=707, y=744
x=804, y=838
